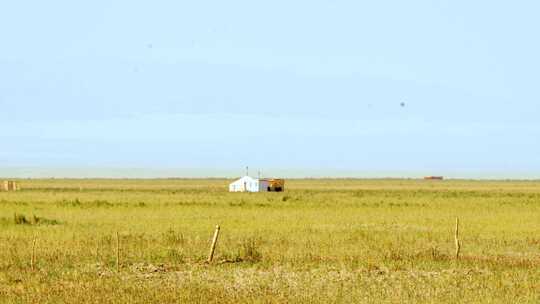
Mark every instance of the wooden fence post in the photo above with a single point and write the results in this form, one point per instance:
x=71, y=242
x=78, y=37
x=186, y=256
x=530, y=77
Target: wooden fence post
x=97, y=251
x=213, y=247
x=456, y=238
x=117, y=252
x=33, y=258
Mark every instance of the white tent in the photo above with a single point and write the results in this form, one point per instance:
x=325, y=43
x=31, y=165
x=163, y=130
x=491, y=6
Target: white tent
x=249, y=184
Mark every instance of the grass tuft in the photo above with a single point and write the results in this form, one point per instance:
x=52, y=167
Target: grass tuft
x=21, y=219
x=249, y=250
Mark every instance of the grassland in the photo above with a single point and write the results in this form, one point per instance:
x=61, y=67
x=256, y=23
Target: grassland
x=321, y=241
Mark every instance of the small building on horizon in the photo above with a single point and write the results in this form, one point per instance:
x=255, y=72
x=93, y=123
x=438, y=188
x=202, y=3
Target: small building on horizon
x=433, y=177
x=250, y=184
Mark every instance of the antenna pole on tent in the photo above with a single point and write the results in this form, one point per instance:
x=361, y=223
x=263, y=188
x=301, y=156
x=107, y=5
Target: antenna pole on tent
x=247, y=171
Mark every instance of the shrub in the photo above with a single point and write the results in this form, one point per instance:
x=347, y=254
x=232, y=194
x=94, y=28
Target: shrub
x=20, y=219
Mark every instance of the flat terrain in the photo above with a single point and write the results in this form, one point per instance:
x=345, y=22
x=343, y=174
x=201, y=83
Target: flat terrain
x=321, y=241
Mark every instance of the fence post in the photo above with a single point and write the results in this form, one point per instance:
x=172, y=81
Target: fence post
x=117, y=252
x=213, y=247
x=97, y=251
x=33, y=258
x=456, y=239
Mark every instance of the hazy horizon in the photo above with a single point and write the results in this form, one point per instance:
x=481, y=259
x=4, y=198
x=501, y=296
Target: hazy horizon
x=157, y=173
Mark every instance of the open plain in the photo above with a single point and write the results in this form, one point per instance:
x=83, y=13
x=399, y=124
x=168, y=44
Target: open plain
x=320, y=241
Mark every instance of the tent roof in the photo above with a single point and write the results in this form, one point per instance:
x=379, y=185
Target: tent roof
x=245, y=179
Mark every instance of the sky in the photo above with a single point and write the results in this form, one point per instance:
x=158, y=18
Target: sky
x=337, y=88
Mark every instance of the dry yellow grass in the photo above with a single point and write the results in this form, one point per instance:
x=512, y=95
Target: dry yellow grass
x=341, y=241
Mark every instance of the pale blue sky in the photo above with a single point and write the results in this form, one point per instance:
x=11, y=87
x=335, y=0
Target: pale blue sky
x=297, y=85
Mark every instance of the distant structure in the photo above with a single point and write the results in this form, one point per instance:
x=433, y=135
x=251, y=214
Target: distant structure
x=10, y=186
x=433, y=178
x=250, y=184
